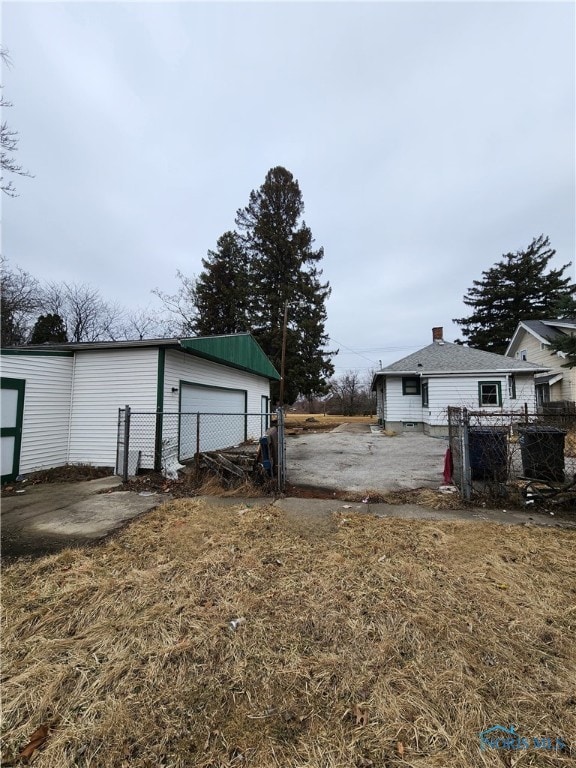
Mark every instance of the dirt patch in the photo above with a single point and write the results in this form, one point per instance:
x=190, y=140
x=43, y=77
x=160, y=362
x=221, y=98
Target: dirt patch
x=69, y=473
x=212, y=636
x=192, y=483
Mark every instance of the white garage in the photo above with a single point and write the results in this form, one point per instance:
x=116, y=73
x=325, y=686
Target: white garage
x=69, y=396
x=223, y=416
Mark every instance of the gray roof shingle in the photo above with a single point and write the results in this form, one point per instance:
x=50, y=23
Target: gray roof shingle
x=445, y=357
x=546, y=331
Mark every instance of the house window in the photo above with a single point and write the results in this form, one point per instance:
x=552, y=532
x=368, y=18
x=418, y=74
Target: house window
x=542, y=394
x=512, y=387
x=489, y=394
x=523, y=355
x=410, y=385
x=424, y=394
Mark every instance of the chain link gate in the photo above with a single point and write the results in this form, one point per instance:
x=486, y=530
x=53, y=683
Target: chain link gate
x=500, y=452
x=160, y=441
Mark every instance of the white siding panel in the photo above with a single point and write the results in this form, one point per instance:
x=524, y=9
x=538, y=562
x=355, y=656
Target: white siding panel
x=182, y=367
x=564, y=390
x=106, y=380
x=46, y=408
x=444, y=391
x=462, y=391
x=399, y=407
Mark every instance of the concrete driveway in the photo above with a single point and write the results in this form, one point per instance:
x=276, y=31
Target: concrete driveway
x=353, y=457
x=48, y=518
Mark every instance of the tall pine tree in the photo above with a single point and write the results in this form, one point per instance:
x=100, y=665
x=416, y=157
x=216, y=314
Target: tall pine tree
x=283, y=267
x=221, y=293
x=516, y=288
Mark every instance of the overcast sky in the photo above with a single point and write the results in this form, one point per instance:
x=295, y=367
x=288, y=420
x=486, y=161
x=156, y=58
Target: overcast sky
x=428, y=139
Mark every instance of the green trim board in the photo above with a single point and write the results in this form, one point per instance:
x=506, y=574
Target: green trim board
x=240, y=350
x=16, y=432
x=494, y=389
x=159, y=408
x=37, y=352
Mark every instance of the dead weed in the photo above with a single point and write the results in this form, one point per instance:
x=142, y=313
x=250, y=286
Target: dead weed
x=203, y=636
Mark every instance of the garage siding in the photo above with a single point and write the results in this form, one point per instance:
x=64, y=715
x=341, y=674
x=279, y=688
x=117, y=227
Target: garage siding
x=183, y=368
x=46, y=419
x=106, y=380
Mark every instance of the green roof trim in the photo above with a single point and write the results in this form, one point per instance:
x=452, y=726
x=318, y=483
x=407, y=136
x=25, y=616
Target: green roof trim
x=239, y=350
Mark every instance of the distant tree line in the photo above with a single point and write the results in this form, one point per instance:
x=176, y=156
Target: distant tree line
x=32, y=312
x=351, y=395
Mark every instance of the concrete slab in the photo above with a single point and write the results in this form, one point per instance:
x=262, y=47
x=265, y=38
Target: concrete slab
x=353, y=458
x=322, y=508
x=50, y=517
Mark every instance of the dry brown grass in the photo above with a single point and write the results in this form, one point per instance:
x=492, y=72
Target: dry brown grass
x=330, y=418
x=330, y=421
x=367, y=642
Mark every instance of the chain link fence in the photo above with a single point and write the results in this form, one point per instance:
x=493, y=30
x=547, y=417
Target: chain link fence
x=492, y=452
x=162, y=441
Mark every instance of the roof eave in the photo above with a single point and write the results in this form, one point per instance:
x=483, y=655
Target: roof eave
x=483, y=372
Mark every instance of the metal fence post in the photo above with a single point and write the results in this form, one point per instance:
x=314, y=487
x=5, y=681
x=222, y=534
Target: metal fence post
x=126, y=442
x=466, y=469
x=281, y=469
x=198, y=440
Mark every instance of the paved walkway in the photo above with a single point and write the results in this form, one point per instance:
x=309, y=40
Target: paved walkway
x=49, y=517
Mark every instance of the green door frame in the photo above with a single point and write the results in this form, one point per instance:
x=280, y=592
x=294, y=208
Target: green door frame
x=16, y=432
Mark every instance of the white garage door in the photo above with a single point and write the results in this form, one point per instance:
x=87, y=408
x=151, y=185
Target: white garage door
x=222, y=419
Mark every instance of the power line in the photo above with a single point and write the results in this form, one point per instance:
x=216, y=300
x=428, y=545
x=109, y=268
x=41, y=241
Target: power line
x=354, y=352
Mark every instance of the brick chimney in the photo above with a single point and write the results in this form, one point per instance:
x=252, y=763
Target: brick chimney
x=437, y=334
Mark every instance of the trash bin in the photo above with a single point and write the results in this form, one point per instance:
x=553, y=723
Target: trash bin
x=488, y=452
x=542, y=450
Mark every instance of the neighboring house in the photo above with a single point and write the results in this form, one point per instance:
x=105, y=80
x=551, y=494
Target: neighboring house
x=60, y=402
x=415, y=392
x=531, y=341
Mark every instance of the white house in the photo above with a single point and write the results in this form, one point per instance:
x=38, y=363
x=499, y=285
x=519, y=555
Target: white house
x=415, y=392
x=60, y=402
x=531, y=341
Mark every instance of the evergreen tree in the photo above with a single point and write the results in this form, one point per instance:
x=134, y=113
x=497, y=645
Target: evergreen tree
x=49, y=328
x=515, y=288
x=222, y=289
x=283, y=267
x=565, y=309
x=567, y=345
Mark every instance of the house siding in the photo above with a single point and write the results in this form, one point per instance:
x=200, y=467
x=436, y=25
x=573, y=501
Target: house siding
x=562, y=390
x=462, y=391
x=398, y=407
x=104, y=381
x=46, y=418
x=450, y=390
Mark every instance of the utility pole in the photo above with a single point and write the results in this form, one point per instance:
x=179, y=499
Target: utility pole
x=283, y=362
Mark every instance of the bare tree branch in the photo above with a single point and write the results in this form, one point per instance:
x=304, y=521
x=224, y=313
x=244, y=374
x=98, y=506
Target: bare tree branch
x=8, y=144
